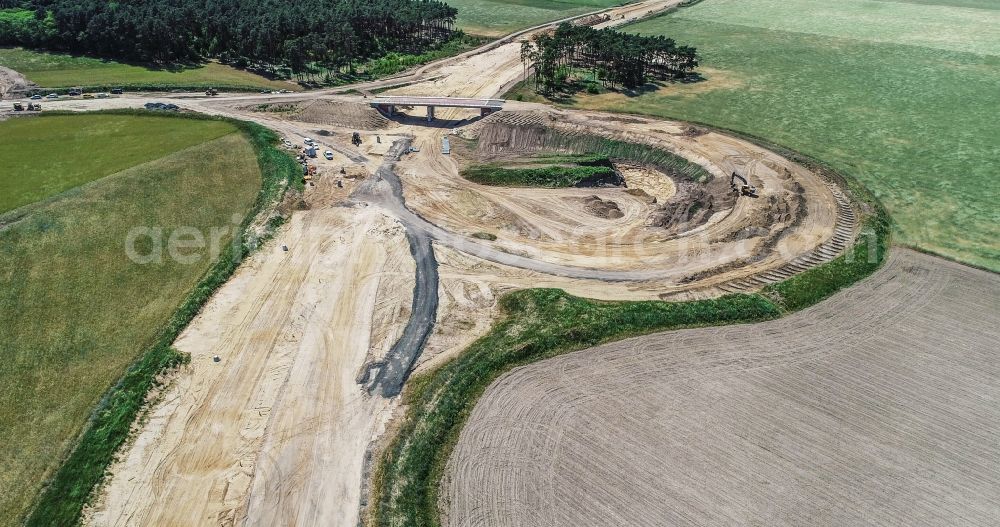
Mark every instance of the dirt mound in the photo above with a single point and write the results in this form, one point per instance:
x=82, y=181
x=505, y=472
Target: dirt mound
x=345, y=114
x=642, y=195
x=653, y=183
x=13, y=84
x=602, y=208
x=690, y=207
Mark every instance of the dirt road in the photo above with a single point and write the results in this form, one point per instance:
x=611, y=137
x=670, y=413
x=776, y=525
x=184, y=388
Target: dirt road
x=876, y=407
x=259, y=435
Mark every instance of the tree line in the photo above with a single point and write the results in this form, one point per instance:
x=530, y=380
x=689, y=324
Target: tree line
x=257, y=33
x=616, y=59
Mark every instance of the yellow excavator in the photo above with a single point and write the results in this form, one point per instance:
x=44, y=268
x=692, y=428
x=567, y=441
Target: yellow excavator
x=743, y=188
x=740, y=184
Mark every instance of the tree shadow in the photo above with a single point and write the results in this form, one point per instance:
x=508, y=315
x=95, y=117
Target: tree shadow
x=569, y=92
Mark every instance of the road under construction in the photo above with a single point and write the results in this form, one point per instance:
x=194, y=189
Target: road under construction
x=395, y=263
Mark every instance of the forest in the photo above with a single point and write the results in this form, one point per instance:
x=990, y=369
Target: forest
x=616, y=59
x=260, y=34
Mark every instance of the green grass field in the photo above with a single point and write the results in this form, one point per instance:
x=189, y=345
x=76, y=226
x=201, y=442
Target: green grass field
x=40, y=158
x=59, y=70
x=909, y=109
x=75, y=310
x=497, y=17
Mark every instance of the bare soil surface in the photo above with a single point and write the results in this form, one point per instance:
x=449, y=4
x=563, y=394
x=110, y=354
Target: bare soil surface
x=875, y=407
x=695, y=229
x=251, y=439
x=13, y=84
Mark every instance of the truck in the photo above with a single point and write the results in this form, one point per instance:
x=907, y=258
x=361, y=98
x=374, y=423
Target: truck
x=311, y=151
x=18, y=107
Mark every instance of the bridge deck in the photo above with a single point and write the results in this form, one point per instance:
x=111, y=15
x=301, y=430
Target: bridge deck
x=444, y=102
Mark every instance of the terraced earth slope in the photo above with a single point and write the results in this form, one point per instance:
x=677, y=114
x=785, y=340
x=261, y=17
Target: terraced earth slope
x=895, y=93
x=865, y=409
x=75, y=310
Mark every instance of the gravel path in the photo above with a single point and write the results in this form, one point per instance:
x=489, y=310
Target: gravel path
x=385, y=188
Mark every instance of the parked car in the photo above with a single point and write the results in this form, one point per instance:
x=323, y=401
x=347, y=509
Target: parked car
x=103, y=95
x=116, y=91
x=328, y=154
x=53, y=96
x=36, y=97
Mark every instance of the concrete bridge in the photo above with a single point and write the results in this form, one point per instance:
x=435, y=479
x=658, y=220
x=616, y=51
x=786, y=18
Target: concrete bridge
x=388, y=104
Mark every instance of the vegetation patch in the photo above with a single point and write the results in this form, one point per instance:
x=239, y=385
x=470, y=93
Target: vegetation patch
x=485, y=236
x=611, y=57
x=541, y=323
x=548, y=177
x=279, y=38
x=77, y=315
x=664, y=161
x=394, y=62
x=499, y=17
x=45, y=155
x=61, y=71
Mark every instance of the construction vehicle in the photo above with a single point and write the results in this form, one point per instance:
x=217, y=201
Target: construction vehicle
x=356, y=139
x=211, y=92
x=743, y=188
x=18, y=107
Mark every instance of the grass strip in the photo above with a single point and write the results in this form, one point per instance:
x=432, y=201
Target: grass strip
x=666, y=162
x=64, y=496
x=548, y=177
x=539, y=323
x=536, y=324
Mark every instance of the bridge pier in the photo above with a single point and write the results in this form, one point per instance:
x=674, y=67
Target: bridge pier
x=387, y=104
